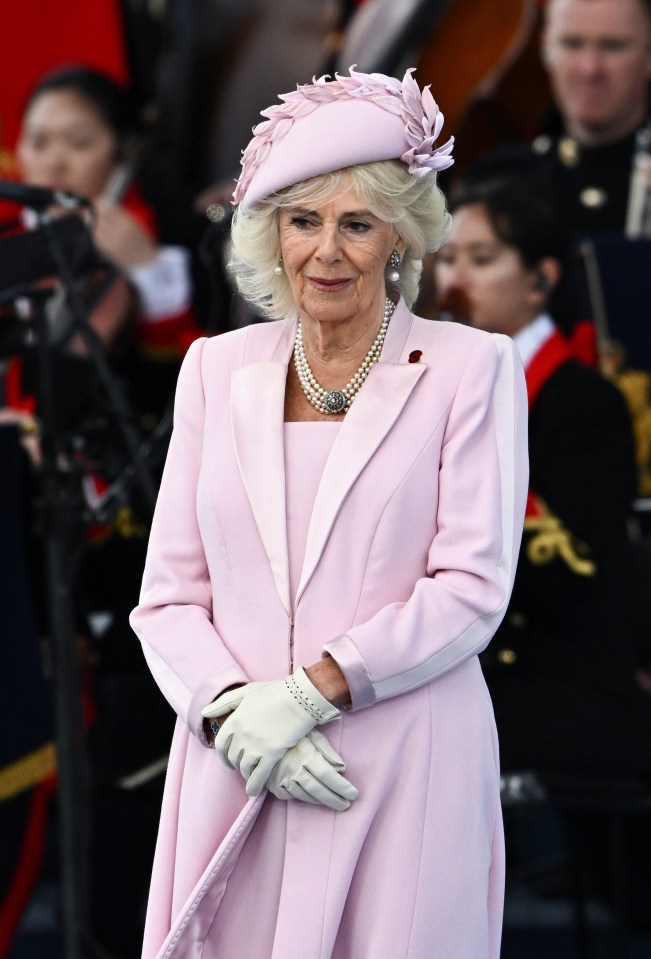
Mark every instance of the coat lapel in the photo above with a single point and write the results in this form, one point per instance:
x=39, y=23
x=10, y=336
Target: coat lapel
x=257, y=411
x=375, y=410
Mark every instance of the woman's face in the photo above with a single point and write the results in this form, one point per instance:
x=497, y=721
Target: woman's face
x=65, y=144
x=334, y=256
x=500, y=292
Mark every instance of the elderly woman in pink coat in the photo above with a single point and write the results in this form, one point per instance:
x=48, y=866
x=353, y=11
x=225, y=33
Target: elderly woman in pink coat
x=334, y=543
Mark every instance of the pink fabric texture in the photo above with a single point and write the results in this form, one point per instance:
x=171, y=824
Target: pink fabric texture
x=326, y=126
x=307, y=446
x=255, y=885
x=407, y=571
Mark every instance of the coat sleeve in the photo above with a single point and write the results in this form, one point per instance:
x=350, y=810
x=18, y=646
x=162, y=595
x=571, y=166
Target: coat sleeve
x=455, y=609
x=173, y=619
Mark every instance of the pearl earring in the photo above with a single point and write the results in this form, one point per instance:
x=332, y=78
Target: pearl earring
x=278, y=270
x=394, y=261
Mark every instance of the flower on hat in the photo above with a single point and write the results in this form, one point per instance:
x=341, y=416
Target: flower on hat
x=422, y=117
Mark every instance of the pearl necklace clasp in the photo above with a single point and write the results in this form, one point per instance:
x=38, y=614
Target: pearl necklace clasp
x=338, y=401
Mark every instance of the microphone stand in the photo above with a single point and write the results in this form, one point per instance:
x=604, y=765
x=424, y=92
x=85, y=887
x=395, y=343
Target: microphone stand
x=94, y=346
x=59, y=512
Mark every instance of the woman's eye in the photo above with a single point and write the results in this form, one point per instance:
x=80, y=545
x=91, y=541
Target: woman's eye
x=36, y=143
x=358, y=226
x=301, y=222
x=80, y=144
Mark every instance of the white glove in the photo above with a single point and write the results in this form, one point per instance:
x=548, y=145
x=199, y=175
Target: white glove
x=311, y=771
x=225, y=704
x=268, y=720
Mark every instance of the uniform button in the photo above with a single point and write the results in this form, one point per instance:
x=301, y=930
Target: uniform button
x=593, y=197
x=507, y=656
x=569, y=152
x=542, y=144
x=517, y=620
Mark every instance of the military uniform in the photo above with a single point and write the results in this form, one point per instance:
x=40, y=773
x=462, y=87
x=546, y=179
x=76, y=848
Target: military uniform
x=588, y=190
x=561, y=669
x=590, y=185
x=587, y=186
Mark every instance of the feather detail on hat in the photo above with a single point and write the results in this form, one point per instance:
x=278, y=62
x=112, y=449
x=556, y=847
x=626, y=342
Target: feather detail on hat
x=422, y=118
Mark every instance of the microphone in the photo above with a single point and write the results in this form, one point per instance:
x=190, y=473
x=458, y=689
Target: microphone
x=39, y=197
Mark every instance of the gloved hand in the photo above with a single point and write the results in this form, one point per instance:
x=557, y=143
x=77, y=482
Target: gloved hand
x=311, y=771
x=221, y=707
x=268, y=720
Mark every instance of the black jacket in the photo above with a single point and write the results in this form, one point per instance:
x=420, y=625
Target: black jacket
x=568, y=607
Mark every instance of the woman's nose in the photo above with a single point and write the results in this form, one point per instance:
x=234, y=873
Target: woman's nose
x=328, y=248
x=450, y=276
x=55, y=154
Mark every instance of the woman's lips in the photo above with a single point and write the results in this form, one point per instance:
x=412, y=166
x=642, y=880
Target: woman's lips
x=329, y=285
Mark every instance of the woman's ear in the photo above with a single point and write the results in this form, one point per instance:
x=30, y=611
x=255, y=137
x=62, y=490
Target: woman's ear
x=398, y=244
x=545, y=277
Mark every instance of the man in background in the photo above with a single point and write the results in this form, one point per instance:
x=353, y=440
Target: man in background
x=598, y=56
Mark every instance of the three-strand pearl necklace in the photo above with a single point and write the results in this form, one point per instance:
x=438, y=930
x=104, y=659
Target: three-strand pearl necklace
x=338, y=401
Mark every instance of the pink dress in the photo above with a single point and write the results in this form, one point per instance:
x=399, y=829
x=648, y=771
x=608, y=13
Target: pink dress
x=406, y=574
x=255, y=885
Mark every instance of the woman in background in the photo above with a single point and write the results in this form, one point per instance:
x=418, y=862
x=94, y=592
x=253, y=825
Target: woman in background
x=79, y=134
x=561, y=669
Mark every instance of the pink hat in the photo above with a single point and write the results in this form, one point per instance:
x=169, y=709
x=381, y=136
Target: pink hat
x=326, y=126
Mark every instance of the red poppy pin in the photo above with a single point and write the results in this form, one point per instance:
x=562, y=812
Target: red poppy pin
x=415, y=355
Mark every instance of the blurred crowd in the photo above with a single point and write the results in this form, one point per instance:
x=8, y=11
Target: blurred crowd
x=554, y=191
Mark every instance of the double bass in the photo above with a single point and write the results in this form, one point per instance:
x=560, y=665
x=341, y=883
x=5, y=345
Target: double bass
x=481, y=60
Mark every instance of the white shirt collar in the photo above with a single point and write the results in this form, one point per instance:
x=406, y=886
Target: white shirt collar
x=531, y=337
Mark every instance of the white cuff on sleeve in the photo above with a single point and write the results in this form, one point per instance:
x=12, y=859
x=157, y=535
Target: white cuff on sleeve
x=163, y=284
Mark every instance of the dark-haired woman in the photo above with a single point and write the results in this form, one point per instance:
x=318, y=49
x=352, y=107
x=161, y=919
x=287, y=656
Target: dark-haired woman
x=78, y=134
x=561, y=669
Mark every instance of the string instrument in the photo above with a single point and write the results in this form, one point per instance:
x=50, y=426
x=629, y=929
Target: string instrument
x=482, y=61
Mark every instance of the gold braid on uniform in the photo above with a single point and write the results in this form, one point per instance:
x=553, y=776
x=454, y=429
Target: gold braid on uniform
x=636, y=387
x=550, y=540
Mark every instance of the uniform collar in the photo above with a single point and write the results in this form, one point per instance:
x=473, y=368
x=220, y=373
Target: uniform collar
x=531, y=337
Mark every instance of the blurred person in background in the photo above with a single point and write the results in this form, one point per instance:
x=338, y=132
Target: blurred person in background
x=568, y=668
x=597, y=54
x=562, y=667
x=79, y=134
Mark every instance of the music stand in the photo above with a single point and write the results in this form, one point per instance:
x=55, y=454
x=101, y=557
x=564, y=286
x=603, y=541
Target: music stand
x=617, y=277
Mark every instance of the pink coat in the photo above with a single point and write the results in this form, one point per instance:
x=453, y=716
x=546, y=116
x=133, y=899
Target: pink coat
x=408, y=569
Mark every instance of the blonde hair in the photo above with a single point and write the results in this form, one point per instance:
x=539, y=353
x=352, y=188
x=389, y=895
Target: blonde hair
x=415, y=206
